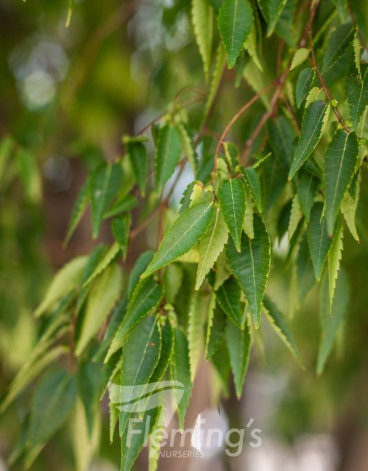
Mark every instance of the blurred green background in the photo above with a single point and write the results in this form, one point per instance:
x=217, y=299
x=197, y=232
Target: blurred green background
x=67, y=95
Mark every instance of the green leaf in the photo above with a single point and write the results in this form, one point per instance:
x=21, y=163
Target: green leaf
x=29, y=174
x=248, y=216
x=139, y=160
x=253, y=183
x=337, y=45
x=104, y=185
x=304, y=270
x=277, y=320
x=318, y=240
x=308, y=187
x=334, y=259
x=281, y=136
x=348, y=208
x=274, y=179
x=235, y=20
x=121, y=205
x=295, y=217
x=330, y=323
x=271, y=10
x=238, y=344
x=168, y=155
x=29, y=372
x=140, y=265
x=132, y=445
x=211, y=246
x=167, y=348
x=188, y=147
x=66, y=280
x=202, y=19
x=357, y=94
x=215, y=81
x=196, y=316
x=304, y=84
x=180, y=371
x=251, y=267
x=120, y=228
x=314, y=117
x=79, y=208
x=228, y=296
x=299, y=57
x=101, y=300
x=172, y=281
x=216, y=324
x=104, y=263
x=184, y=234
x=340, y=160
x=54, y=399
x=141, y=354
x=231, y=195
x=144, y=301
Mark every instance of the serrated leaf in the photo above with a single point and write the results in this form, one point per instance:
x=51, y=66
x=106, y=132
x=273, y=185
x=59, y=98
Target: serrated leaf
x=304, y=270
x=304, y=85
x=299, y=57
x=79, y=208
x=211, y=246
x=167, y=156
x=215, y=81
x=337, y=45
x=238, y=344
x=308, y=187
x=271, y=10
x=104, y=185
x=101, y=300
x=140, y=265
x=281, y=136
x=253, y=183
x=197, y=313
x=231, y=195
x=235, y=20
x=357, y=94
x=330, y=323
x=180, y=371
x=141, y=355
x=54, y=397
x=278, y=321
x=311, y=132
x=228, y=296
x=138, y=157
x=334, y=259
x=348, y=208
x=121, y=205
x=120, y=228
x=66, y=280
x=184, y=234
x=251, y=267
x=318, y=240
x=167, y=348
x=216, y=324
x=248, y=216
x=340, y=160
x=284, y=25
x=144, y=300
x=104, y=263
x=295, y=216
x=202, y=19
x=188, y=147
x=26, y=375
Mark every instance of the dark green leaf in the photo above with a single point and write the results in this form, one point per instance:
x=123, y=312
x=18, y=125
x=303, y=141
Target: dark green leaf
x=228, y=296
x=304, y=84
x=238, y=345
x=318, y=240
x=252, y=265
x=340, y=161
x=168, y=155
x=231, y=195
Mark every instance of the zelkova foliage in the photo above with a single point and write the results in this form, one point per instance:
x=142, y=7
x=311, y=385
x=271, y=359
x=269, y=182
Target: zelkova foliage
x=291, y=181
